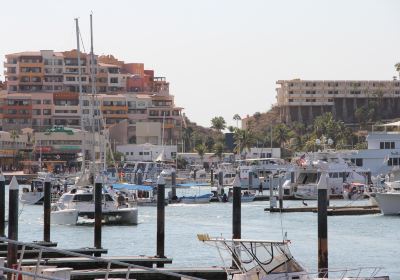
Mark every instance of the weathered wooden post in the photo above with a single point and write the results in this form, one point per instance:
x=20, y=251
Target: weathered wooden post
x=98, y=186
x=272, y=200
x=160, y=218
x=236, y=216
x=194, y=174
x=221, y=178
x=322, y=226
x=212, y=177
x=173, y=184
x=46, y=208
x=12, y=249
x=250, y=179
x=2, y=204
x=280, y=191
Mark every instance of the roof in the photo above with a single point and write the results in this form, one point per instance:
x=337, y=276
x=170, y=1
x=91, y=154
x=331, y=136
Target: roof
x=132, y=187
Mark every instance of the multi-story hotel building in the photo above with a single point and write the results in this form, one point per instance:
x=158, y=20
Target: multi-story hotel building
x=43, y=91
x=303, y=100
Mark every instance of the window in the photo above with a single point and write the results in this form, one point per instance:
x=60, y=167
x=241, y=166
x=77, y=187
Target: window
x=357, y=161
x=387, y=145
x=46, y=112
x=47, y=101
x=114, y=80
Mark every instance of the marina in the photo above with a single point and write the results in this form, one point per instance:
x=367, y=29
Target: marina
x=215, y=218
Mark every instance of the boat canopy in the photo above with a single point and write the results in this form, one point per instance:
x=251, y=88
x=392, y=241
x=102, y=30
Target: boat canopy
x=132, y=187
x=189, y=185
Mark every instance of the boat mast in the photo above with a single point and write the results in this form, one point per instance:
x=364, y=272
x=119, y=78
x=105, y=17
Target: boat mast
x=78, y=50
x=92, y=109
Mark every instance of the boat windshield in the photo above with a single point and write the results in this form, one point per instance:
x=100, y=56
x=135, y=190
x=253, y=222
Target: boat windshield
x=307, y=178
x=89, y=197
x=260, y=257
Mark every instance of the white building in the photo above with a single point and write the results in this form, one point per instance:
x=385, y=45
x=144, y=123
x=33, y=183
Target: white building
x=147, y=152
x=194, y=158
x=264, y=153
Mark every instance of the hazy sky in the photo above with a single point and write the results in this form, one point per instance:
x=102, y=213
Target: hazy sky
x=221, y=57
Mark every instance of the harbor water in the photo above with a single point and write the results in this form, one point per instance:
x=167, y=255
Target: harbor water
x=354, y=241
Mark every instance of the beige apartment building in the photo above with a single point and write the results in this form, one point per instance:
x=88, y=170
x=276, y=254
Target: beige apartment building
x=303, y=100
x=43, y=92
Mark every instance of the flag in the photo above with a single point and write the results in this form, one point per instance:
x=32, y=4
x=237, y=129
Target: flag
x=301, y=160
x=386, y=159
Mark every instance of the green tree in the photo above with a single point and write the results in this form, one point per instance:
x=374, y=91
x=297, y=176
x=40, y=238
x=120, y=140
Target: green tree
x=244, y=139
x=237, y=118
x=397, y=67
x=201, y=150
x=231, y=128
x=218, y=150
x=282, y=134
x=218, y=123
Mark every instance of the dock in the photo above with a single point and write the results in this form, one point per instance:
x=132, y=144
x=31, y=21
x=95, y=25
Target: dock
x=214, y=273
x=332, y=210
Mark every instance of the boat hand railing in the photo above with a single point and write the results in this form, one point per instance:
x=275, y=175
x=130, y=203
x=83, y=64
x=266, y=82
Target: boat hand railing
x=343, y=273
x=109, y=262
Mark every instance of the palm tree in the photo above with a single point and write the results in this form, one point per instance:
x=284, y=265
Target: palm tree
x=237, y=118
x=397, y=66
x=14, y=136
x=218, y=150
x=281, y=134
x=231, y=128
x=244, y=139
x=218, y=123
x=201, y=150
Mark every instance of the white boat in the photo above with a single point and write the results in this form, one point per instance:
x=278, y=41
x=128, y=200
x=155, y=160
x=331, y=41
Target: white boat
x=35, y=193
x=307, y=174
x=246, y=196
x=81, y=201
x=196, y=199
x=246, y=259
x=135, y=195
x=388, y=202
x=354, y=191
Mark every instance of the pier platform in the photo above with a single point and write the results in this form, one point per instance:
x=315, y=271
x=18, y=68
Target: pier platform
x=34, y=253
x=332, y=210
x=215, y=273
x=77, y=263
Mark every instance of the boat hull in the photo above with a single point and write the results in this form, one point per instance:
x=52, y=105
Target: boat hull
x=64, y=217
x=31, y=198
x=389, y=203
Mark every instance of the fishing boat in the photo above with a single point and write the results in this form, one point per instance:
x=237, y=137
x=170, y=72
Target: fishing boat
x=135, y=195
x=247, y=259
x=354, y=191
x=196, y=199
x=35, y=193
x=80, y=203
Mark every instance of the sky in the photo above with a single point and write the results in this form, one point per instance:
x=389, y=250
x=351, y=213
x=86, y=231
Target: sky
x=221, y=57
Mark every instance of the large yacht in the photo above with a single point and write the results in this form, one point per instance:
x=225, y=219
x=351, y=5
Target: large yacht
x=306, y=174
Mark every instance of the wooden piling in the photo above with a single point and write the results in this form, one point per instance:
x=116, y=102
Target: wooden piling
x=322, y=226
x=46, y=208
x=212, y=177
x=236, y=215
x=173, y=184
x=250, y=179
x=271, y=193
x=97, y=213
x=2, y=204
x=221, y=179
x=280, y=191
x=160, y=218
x=12, y=249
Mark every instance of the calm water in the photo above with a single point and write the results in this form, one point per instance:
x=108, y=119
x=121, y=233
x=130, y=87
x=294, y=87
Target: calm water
x=354, y=241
